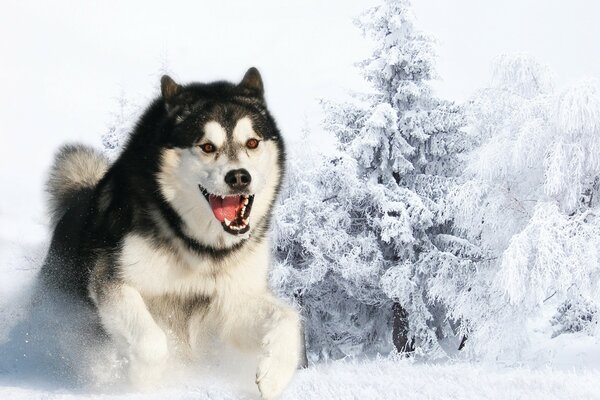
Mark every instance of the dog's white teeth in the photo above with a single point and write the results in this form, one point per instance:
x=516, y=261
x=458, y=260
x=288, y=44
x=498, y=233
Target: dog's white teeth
x=227, y=222
x=245, y=202
x=222, y=197
x=243, y=210
x=245, y=221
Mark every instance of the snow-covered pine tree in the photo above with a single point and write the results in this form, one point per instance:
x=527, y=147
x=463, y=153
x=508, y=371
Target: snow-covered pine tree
x=122, y=123
x=363, y=232
x=128, y=112
x=530, y=200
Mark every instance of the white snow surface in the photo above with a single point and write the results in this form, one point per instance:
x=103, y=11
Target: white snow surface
x=377, y=379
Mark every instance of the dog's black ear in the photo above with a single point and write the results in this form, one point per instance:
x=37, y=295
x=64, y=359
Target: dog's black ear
x=169, y=89
x=253, y=82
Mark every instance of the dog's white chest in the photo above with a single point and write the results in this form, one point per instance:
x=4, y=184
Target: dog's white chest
x=155, y=272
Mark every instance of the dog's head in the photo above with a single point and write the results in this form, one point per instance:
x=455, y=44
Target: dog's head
x=223, y=165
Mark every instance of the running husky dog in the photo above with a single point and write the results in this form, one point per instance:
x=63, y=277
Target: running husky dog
x=172, y=235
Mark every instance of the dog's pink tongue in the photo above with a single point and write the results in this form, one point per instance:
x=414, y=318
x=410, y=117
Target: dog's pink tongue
x=224, y=208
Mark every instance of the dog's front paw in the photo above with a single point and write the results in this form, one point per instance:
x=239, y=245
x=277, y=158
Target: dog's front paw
x=272, y=377
x=281, y=355
x=148, y=358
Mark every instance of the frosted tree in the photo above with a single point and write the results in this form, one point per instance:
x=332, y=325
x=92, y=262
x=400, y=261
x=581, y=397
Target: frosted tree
x=122, y=123
x=128, y=111
x=362, y=231
x=530, y=201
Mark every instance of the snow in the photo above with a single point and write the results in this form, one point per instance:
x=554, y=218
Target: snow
x=376, y=379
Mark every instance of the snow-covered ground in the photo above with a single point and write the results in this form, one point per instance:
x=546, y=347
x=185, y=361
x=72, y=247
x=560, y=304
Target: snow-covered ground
x=381, y=379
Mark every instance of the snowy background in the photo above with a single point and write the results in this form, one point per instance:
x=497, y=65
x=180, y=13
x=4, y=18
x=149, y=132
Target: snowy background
x=468, y=139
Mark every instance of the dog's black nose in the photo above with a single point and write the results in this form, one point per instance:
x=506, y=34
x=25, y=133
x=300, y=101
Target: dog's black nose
x=238, y=178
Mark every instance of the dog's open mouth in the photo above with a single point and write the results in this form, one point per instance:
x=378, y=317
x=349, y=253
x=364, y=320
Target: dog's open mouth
x=232, y=211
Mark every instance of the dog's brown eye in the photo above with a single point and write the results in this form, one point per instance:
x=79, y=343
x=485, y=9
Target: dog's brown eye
x=207, y=147
x=252, y=143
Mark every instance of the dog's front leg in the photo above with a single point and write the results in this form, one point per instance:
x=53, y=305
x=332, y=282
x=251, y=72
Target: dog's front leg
x=281, y=347
x=126, y=318
x=273, y=328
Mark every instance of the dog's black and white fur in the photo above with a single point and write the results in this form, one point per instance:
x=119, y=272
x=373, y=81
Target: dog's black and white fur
x=140, y=238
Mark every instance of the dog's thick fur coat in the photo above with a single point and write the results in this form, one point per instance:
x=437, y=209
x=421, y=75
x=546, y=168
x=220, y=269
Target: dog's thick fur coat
x=148, y=242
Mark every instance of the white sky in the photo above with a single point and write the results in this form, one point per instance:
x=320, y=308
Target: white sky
x=64, y=64
x=565, y=35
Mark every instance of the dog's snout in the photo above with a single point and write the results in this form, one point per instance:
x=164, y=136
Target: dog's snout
x=238, y=178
